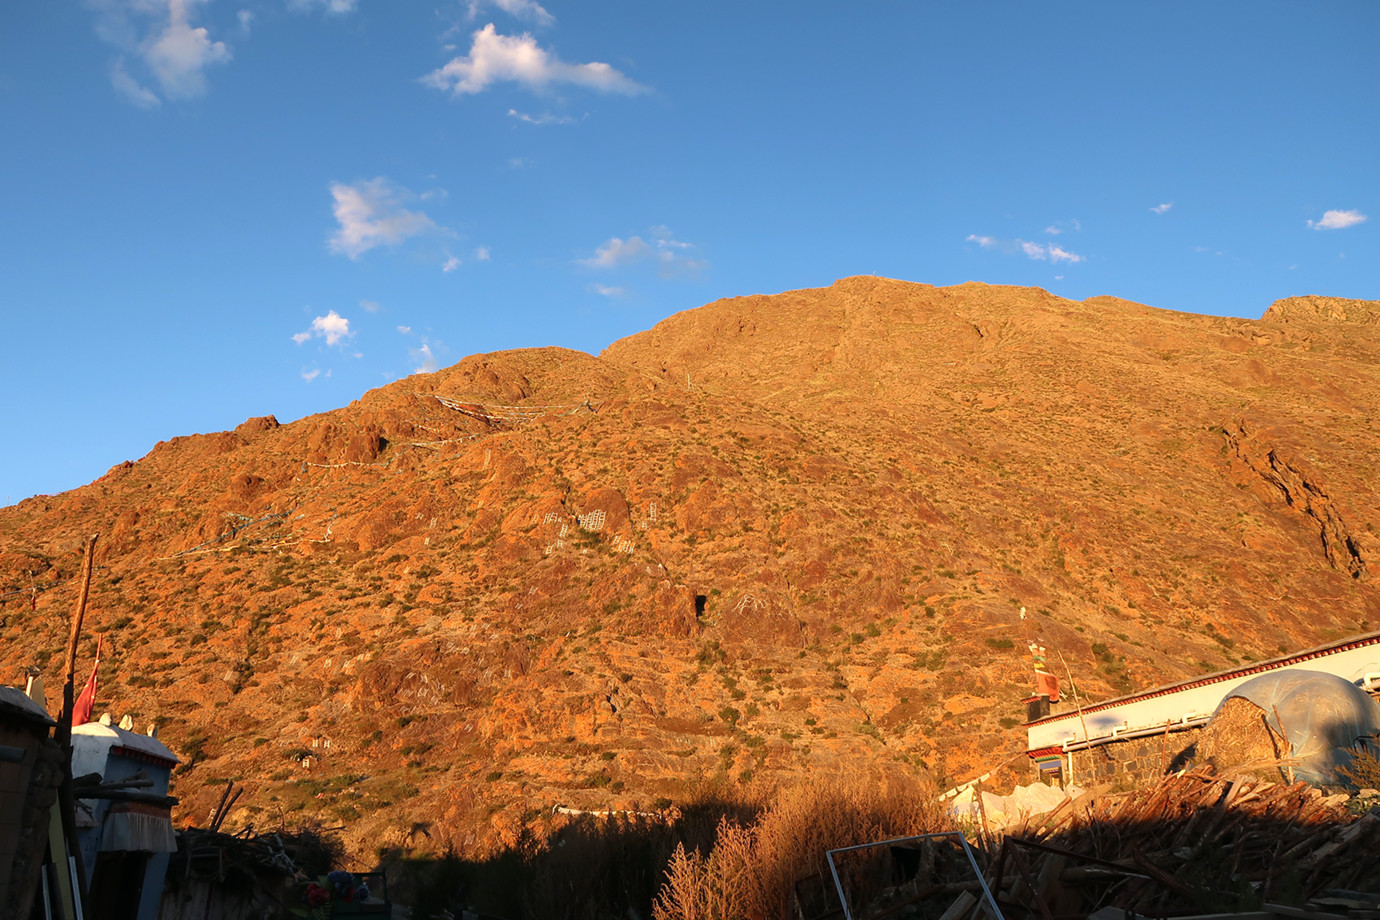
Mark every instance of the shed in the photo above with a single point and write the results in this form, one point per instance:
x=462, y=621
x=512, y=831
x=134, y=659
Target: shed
x=125, y=834
x=30, y=773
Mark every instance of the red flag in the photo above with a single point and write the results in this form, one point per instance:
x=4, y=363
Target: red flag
x=81, y=712
x=1047, y=684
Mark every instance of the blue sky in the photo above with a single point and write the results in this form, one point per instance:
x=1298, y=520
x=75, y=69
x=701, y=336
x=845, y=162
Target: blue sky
x=215, y=209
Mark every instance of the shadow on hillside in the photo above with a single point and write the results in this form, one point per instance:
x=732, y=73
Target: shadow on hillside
x=591, y=868
x=1195, y=844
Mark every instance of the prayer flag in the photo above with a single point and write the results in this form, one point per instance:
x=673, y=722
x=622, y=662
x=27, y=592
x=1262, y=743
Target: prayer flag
x=1047, y=684
x=81, y=711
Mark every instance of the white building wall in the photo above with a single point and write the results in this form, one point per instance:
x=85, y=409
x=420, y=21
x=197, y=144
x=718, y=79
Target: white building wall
x=1145, y=711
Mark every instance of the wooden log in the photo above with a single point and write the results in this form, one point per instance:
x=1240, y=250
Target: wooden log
x=960, y=906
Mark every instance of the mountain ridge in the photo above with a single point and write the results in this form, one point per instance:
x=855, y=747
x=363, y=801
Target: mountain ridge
x=774, y=535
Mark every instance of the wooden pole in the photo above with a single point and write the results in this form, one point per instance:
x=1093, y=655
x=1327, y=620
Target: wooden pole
x=67, y=804
x=69, y=666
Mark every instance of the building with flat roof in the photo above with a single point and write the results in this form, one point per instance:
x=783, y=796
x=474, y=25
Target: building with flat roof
x=1131, y=736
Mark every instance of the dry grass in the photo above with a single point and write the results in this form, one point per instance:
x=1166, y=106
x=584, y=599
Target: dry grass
x=751, y=868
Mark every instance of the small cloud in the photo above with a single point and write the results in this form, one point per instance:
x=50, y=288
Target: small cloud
x=618, y=252
x=334, y=7
x=333, y=327
x=451, y=264
x=435, y=194
x=405, y=330
x=371, y=213
x=495, y=58
x=669, y=254
x=1063, y=226
x=1338, y=220
x=519, y=162
x=482, y=254
x=671, y=265
x=131, y=89
x=426, y=361
x=370, y=306
x=1163, y=208
x=529, y=10
x=180, y=54
x=546, y=118
x=607, y=290
x=1039, y=252
x=665, y=239
x=311, y=375
x=246, y=20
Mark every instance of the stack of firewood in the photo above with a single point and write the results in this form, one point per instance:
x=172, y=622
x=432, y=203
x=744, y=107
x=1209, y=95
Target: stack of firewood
x=1194, y=844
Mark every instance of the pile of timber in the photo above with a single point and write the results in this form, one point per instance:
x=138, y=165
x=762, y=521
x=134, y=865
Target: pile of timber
x=1195, y=844
x=247, y=875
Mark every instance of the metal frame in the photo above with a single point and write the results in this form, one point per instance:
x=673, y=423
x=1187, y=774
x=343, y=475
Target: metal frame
x=992, y=908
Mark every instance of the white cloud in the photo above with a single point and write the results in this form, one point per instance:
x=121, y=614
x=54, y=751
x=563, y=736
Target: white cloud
x=405, y=330
x=519, y=162
x=665, y=239
x=1162, y=208
x=529, y=10
x=370, y=306
x=545, y=118
x=333, y=327
x=1057, y=254
x=246, y=20
x=159, y=34
x=311, y=375
x=426, y=361
x=371, y=214
x=336, y=7
x=130, y=88
x=1063, y=226
x=519, y=59
x=670, y=265
x=618, y=252
x=451, y=264
x=179, y=56
x=482, y=253
x=608, y=290
x=670, y=254
x=1040, y=252
x=1338, y=220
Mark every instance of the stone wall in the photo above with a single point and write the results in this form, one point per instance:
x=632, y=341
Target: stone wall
x=1135, y=762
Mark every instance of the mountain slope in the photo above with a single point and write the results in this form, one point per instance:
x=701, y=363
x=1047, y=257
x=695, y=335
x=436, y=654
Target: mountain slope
x=769, y=535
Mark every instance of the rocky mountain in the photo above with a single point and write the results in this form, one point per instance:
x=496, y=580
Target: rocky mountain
x=771, y=535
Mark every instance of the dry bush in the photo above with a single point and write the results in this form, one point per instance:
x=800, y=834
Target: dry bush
x=1364, y=771
x=751, y=868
